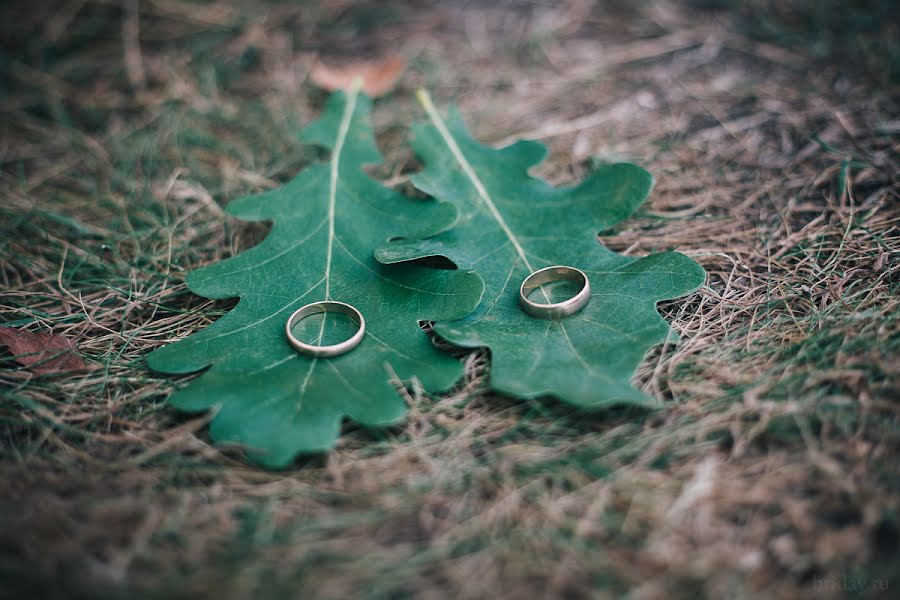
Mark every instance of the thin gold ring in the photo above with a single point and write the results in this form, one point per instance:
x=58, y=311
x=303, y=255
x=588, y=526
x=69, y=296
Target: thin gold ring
x=326, y=306
x=556, y=310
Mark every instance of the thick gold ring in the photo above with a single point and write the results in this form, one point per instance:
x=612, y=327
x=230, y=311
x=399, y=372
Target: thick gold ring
x=556, y=310
x=326, y=306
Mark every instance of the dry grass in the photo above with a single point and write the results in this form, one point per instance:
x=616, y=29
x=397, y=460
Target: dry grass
x=771, y=473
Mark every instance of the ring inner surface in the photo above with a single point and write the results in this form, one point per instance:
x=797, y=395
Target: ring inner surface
x=333, y=331
x=556, y=275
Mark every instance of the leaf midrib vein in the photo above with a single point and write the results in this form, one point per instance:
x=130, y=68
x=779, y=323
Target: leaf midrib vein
x=343, y=128
x=335, y=164
x=463, y=162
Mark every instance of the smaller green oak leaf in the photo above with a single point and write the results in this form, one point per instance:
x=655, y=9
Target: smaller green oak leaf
x=327, y=221
x=511, y=224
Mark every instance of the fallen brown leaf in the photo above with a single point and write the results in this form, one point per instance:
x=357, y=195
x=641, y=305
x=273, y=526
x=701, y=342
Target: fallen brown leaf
x=378, y=76
x=41, y=352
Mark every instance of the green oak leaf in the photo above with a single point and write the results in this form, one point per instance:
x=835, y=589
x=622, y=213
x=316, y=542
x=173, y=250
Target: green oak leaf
x=511, y=224
x=327, y=221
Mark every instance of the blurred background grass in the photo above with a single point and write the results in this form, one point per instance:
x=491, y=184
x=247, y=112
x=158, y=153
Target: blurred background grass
x=771, y=128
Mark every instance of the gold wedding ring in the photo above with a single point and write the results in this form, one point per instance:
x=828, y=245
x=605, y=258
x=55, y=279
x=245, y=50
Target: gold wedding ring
x=326, y=306
x=556, y=310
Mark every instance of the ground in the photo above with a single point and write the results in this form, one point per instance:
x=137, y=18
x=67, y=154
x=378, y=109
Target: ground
x=772, y=469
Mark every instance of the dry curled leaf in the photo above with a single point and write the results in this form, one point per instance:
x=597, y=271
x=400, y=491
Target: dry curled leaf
x=378, y=76
x=41, y=352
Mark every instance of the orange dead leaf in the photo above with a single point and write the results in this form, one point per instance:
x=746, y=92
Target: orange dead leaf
x=41, y=352
x=378, y=76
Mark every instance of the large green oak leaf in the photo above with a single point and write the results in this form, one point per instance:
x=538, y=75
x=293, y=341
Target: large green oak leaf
x=327, y=222
x=511, y=224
